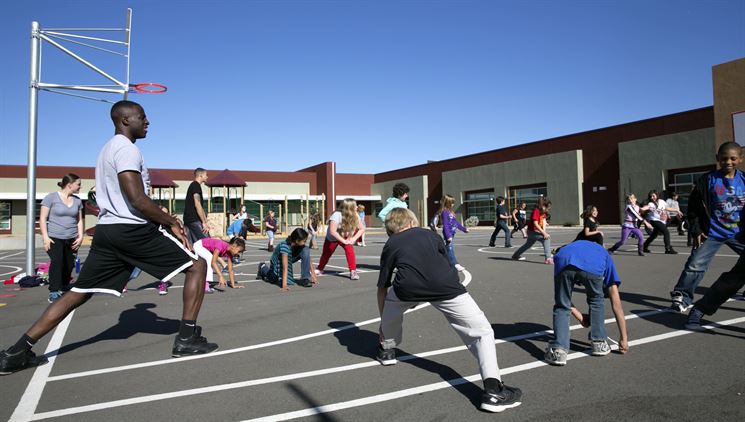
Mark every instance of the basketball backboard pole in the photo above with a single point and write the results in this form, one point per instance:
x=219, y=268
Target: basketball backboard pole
x=37, y=36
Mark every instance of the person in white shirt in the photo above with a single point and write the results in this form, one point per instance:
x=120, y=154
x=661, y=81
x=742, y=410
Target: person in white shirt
x=656, y=216
x=674, y=214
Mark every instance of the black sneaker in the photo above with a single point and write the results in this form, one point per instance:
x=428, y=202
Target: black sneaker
x=498, y=397
x=387, y=356
x=694, y=320
x=671, y=251
x=194, y=345
x=10, y=363
x=258, y=271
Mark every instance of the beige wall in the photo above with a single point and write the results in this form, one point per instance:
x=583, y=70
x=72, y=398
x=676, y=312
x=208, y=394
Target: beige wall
x=562, y=173
x=728, y=80
x=644, y=163
x=418, y=192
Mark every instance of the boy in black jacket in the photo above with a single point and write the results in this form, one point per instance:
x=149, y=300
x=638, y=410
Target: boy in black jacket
x=415, y=263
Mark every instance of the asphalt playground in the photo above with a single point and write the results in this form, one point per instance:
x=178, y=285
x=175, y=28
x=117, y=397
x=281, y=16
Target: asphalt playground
x=309, y=354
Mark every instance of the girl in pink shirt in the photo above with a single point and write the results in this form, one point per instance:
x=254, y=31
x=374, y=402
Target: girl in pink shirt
x=210, y=250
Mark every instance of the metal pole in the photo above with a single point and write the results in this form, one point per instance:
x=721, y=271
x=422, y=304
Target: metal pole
x=33, y=108
x=127, y=36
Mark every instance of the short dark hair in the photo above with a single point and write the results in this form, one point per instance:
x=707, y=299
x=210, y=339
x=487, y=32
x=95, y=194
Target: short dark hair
x=500, y=199
x=399, y=189
x=238, y=241
x=729, y=146
x=120, y=108
x=198, y=171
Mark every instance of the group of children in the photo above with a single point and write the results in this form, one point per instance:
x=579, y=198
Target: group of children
x=417, y=265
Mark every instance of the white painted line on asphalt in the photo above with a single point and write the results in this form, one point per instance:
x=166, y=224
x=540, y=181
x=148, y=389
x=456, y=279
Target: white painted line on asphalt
x=10, y=272
x=394, y=395
x=308, y=374
x=13, y=254
x=30, y=399
x=466, y=281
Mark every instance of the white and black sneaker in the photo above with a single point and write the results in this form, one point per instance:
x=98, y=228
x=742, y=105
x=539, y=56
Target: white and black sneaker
x=555, y=356
x=386, y=357
x=678, y=303
x=600, y=348
x=498, y=397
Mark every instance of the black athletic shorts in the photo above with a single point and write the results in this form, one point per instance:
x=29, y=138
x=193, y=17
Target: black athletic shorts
x=118, y=248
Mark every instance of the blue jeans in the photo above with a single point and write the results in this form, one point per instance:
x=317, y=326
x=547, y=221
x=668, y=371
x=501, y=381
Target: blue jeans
x=532, y=238
x=268, y=275
x=697, y=264
x=563, y=283
x=451, y=253
x=501, y=225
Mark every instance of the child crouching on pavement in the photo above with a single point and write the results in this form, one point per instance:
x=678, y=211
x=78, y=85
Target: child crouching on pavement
x=587, y=263
x=279, y=270
x=415, y=263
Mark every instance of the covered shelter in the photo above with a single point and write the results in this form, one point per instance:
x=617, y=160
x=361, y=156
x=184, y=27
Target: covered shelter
x=225, y=180
x=158, y=182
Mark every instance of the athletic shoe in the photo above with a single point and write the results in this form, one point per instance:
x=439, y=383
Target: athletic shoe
x=611, y=251
x=354, y=275
x=10, y=363
x=694, y=320
x=386, y=356
x=224, y=270
x=678, y=303
x=258, y=271
x=549, y=261
x=491, y=245
x=459, y=267
x=518, y=258
x=53, y=296
x=600, y=348
x=555, y=356
x=207, y=288
x=364, y=245
x=319, y=273
x=194, y=345
x=671, y=251
x=162, y=288
x=641, y=253
x=646, y=250
x=124, y=290
x=498, y=397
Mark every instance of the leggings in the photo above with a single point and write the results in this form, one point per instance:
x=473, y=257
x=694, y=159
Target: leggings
x=329, y=246
x=625, y=233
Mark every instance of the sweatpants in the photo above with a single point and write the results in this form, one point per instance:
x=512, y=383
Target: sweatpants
x=62, y=259
x=463, y=314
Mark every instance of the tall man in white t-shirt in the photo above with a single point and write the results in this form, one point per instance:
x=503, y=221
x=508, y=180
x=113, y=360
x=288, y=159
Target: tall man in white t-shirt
x=131, y=232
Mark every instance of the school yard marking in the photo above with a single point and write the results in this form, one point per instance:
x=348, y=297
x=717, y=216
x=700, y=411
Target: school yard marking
x=314, y=411
x=15, y=269
x=30, y=399
x=365, y=400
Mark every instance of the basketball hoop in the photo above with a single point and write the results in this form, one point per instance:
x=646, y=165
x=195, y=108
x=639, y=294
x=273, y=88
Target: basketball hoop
x=147, y=88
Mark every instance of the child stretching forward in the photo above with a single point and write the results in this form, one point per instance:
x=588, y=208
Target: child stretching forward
x=416, y=264
x=279, y=270
x=210, y=250
x=610, y=290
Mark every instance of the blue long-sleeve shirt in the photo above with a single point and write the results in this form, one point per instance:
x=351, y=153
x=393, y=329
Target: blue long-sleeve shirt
x=450, y=224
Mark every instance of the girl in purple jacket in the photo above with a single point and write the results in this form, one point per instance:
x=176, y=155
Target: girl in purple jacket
x=449, y=226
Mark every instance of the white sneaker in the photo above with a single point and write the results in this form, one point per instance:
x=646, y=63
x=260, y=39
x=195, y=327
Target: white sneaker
x=459, y=267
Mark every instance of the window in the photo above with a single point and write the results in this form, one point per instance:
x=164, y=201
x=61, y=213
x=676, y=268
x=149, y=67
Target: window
x=6, y=223
x=681, y=181
x=480, y=204
x=528, y=194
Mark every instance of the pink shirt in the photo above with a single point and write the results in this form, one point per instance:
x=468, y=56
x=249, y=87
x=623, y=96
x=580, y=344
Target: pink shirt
x=213, y=245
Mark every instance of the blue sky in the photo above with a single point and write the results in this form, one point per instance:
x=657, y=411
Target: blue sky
x=372, y=85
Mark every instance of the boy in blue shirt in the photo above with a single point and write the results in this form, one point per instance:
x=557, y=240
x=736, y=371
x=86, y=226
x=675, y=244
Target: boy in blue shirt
x=587, y=263
x=414, y=268
x=714, y=209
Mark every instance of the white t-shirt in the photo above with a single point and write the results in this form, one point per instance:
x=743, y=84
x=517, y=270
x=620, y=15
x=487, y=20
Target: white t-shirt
x=336, y=216
x=656, y=210
x=673, y=205
x=118, y=155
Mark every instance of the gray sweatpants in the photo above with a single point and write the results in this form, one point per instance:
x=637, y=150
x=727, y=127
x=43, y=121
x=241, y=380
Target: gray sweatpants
x=463, y=314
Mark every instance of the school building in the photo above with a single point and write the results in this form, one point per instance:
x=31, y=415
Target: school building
x=598, y=167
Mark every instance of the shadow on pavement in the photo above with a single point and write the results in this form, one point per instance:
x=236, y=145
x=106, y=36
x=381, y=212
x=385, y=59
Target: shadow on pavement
x=132, y=321
x=302, y=395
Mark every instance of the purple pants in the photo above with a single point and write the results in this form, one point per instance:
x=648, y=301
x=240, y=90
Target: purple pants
x=625, y=232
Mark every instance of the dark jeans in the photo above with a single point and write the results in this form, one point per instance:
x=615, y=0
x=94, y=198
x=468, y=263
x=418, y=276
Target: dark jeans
x=657, y=228
x=63, y=261
x=501, y=225
x=697, y=264
x=268, y=275
x=726, y=285
x=194, y=231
